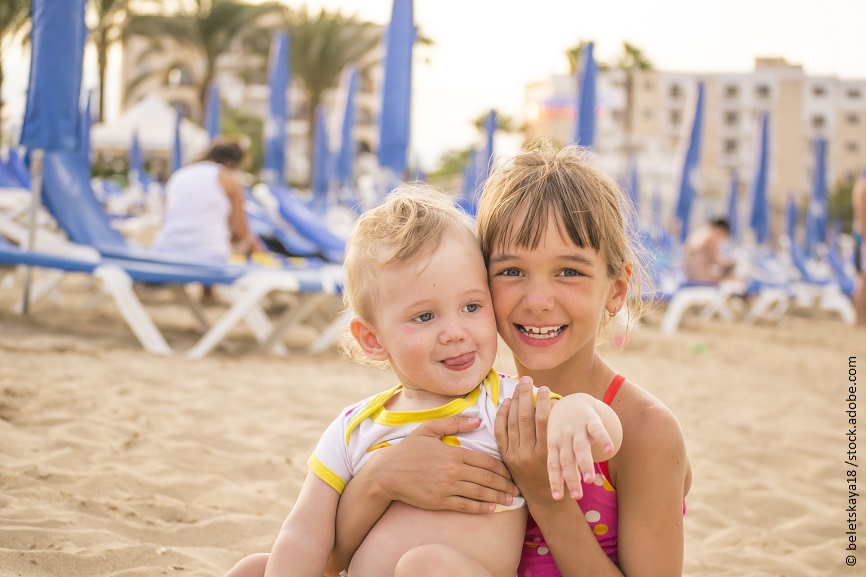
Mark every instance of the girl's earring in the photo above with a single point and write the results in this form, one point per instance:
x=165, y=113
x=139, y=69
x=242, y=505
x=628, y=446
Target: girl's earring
x=612, y=313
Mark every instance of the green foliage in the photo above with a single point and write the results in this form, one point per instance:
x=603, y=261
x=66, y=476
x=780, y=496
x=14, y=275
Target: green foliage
x=504, y=123
x=452, y=163
x=237, y=122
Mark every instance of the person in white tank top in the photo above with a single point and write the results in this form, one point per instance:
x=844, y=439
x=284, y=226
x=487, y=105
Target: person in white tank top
x=204, y=214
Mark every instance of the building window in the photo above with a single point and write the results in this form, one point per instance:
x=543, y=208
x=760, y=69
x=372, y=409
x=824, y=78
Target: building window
x=730, y=146
x=853, y=93
x=676, y=117
x=676, y=91
x=819, y=91
x=818, y=122
x=762, y=91
x=853, y=119
x=852, y=146
x=732, y=91
x=732, y=118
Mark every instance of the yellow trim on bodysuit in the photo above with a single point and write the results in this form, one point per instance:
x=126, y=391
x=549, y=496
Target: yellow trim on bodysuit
x=325, y=474
x=376, y=410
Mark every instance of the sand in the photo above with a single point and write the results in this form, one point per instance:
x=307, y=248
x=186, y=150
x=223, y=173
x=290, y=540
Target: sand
x=116, y=463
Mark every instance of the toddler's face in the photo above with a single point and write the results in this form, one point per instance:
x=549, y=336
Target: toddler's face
x=435, y=319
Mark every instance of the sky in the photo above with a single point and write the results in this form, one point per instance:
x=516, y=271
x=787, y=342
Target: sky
x=486, y=51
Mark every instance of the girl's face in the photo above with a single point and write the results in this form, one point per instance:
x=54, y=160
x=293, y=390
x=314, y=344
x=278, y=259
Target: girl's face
x=549, y=300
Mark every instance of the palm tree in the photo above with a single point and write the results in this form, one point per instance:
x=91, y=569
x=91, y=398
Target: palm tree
x=13, y=16
x=322, y=46
x=504, y=123
x=108, y=18
x=209, y=29
x=575, y=54
x=631, y=60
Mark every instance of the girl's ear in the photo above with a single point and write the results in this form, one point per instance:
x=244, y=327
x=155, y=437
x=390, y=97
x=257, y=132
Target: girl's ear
x=619, y=290
x=365, y=335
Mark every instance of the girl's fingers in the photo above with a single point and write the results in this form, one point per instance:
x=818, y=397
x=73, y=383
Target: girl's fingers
x=526, y=412
x=542, y=416
x=500, y=426
x=513, y=426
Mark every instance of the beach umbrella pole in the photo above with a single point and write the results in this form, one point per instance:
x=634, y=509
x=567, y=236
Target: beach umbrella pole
x=37, y=158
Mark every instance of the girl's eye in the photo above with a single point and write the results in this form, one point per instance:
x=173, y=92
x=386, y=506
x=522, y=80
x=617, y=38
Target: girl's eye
x=570, y=272
x=509, y=272
x=423, y=318
x=471, y=308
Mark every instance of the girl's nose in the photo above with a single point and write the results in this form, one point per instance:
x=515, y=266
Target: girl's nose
x=538, y=297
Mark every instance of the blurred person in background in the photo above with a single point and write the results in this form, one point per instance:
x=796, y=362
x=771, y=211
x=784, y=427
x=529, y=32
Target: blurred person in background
x=204, y=215
x=704, y=260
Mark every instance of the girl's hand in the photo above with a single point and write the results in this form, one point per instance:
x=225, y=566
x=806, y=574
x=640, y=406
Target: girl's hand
x=521, y=434
x=424, y=472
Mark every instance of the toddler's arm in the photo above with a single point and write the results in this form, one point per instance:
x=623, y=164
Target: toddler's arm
x=307, y=536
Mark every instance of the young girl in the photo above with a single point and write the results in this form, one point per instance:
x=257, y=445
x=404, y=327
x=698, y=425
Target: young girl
x=560, y=263
x=416, y=279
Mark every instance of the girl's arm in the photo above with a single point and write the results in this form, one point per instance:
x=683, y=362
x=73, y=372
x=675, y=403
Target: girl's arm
x=652, y=480
x=424, y=472
x=307, y=535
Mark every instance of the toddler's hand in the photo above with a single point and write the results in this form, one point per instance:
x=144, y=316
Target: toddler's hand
x=576, y=437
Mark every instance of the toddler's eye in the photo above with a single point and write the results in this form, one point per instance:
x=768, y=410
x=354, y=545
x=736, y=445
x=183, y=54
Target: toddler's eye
x=471, y=308
x=423, y=318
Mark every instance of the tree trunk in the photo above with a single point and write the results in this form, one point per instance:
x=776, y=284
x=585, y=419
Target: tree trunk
x=102, y=63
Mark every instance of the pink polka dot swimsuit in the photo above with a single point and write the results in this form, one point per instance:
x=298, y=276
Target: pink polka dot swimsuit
x=599, y=506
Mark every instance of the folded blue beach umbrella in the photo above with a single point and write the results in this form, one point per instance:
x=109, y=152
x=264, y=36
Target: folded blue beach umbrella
x=759, y=217
x=584, y=133
x=470, y=176
x=490, y=132
x=689, y=175
x=791, y=216
x=213, y=112
x=344, y=166
x=321, y=161
x=57, y=35
x=136, y=162
x=818, y=203
x=279, y=79
x=394, y=117
x=733, y=206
